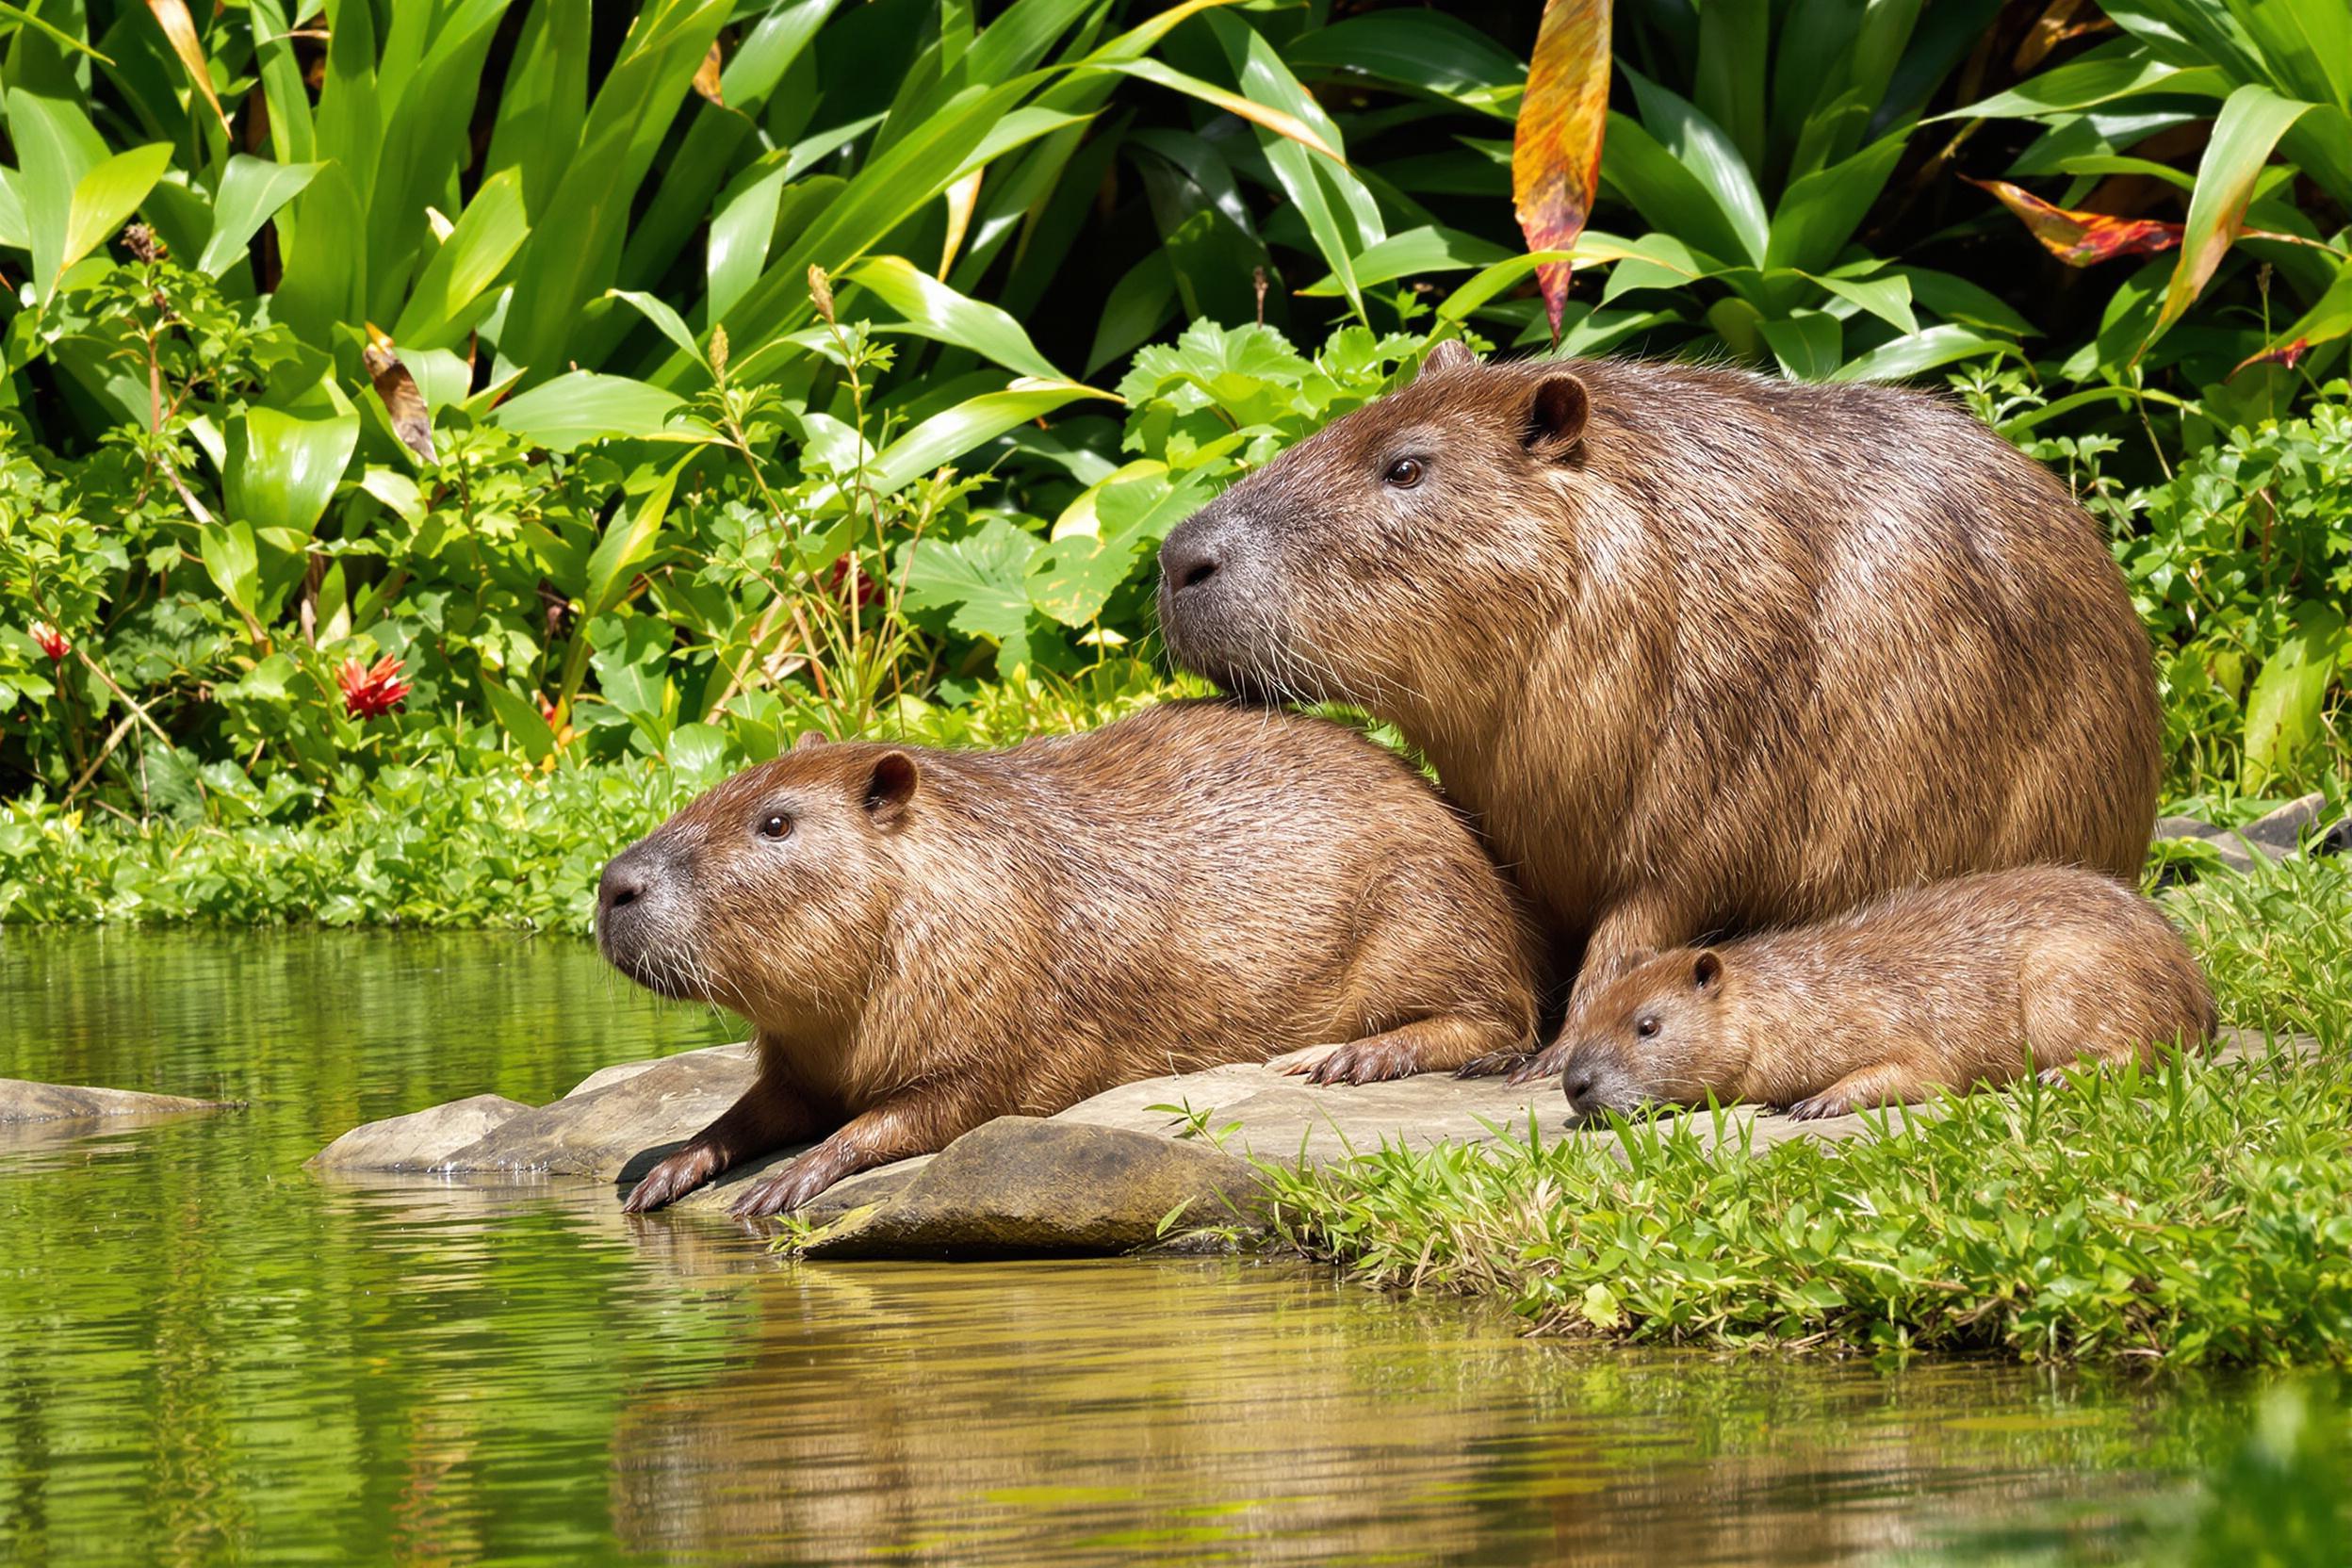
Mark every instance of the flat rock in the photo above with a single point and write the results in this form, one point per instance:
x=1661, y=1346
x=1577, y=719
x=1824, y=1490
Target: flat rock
x=421, y=1140
x=1027, y=1188
x=22, y=1100
x=1103, y=1176
x=2292, y=829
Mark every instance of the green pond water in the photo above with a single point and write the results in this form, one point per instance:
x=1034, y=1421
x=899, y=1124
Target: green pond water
x=207, y=1355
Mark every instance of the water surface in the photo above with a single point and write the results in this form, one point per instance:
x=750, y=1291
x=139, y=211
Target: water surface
x=207, y=1355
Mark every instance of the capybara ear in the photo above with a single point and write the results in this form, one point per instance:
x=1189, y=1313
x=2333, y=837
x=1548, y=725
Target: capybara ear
x=1452, y=354
x=807, y=739
x=1706, y=971
x=889, y=787
x=1556, y=416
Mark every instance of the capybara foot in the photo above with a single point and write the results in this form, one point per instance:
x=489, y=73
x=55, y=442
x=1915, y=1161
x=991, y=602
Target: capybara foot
x=795, y=1183
x=1491, y=1064
x=1367, y=1061
x=1819, y=1108
x=673, y=1179
x=1546, y=1063
x=1300, y=1064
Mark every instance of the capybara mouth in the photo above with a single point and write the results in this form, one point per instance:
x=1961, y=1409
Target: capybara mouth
x=662, y=972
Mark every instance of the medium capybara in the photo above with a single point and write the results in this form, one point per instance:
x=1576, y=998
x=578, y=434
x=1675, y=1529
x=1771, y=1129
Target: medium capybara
x=1977, y=980
x=923, y=941
x=1701, y=651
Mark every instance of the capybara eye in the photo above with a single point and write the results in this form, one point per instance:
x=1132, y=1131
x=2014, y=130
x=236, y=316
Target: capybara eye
x=1404, y=473
x=775, y=826
x=1646, y=1027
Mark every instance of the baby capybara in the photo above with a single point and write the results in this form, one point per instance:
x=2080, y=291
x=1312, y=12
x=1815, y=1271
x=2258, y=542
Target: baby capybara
x=1978, y=980
x=1700, y=650
x=923, y=941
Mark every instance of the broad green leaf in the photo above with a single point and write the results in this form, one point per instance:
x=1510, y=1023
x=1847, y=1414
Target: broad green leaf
x=2283, y=711
x=1076, y=574
x=983, y=581
x=519, y=715
x=1491, y=280
x=931, y=309
x=944, y=437
x=1885, y=295
x=1735, y=46
x=233, y=564
x=73, y=195
x=55, y=35
x=665, y=320
x=282, y=467
x=1412, y=252
x=1818, y=214
x=446, y=298
x=1425, y=50
x=14, y=233
x=742, y=230
x=1668, y=196
x=1921, y=351
x=1807, y=343
x=585, y=406
x=2118, y=69
x=627, y=541
x=252, y=192
x=1700, y=145
x=2250, y=123
x=1265, y=117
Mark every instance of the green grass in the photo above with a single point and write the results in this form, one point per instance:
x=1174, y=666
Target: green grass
x=2193, y=1213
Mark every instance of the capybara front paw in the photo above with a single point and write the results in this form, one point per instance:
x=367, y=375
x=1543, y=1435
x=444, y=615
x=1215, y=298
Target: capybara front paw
x=1491, y=1064
x=673, y=1179
x=1364, y=1062
x=1546, y=1063
x=799, y=1180
x=1819, y=1108
x=1299, y=1064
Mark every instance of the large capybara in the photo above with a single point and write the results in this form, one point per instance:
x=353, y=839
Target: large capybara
x=1977, y=980
x=1701, y=651
x=923, y=941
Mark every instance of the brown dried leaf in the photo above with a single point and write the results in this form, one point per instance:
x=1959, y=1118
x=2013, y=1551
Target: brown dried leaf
x=180, y=28
x=1556, y=153
x=411, y=420
x=962, y=197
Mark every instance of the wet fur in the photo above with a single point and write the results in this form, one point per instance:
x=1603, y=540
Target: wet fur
x=1977, y=980
x=1733, y=652
x=1201, y=883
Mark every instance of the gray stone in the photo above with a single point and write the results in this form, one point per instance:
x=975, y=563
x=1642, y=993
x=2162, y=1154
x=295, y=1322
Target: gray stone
x=597, y=1130
x=421, y=1140
x=2292, y=829
x=1023, y=1186
x=21, y=1100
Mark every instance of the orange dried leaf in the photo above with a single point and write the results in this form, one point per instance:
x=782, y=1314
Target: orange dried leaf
x=706, y=75
x=1556, y=152
x=2288, y=354
x=180, y=28
x=411, y=420
x=2083, y=238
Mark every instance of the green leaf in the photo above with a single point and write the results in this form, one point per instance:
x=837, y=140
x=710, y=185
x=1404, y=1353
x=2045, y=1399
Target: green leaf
x=252, y=192
x=282, y=467
x=983, y=581
x=1075, y=575
x=1700, y=146
x=1807, y=343
x=2283, y=711
x=1424, y=50
x=1494, y=280
x=1818, y=214
x=1412, y=252
x=233, y=563
x=628, y=541
x=931, y=309
x=447, y=297
x=2249, y=125
x=1885, y=295
x=2119, y=68
x=946, y=436
x=1668, y=196
x=1907, y=356
x=73, y=195
x=584, y=407
x=519, y=717
x=665, y=320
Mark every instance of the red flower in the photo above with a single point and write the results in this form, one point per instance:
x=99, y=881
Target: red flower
x=546, y=705
x=52, y=641
x=370, y=689
x=867, y=589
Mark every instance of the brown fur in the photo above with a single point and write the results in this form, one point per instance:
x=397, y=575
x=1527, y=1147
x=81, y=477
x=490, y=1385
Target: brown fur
x=943, y=938
x=1701, y=651
x=1977, y=980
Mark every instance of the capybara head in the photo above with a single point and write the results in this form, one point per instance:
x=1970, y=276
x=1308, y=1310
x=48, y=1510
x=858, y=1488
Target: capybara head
x=1654, y=1035
x=1314, y=578
x=770, y=892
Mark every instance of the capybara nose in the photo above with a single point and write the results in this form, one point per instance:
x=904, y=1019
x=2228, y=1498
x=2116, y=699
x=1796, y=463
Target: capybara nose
x=618, y=888
x=1189, y=559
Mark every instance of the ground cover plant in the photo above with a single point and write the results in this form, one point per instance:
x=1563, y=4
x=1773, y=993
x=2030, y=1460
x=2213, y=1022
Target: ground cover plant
x=2047, y=1223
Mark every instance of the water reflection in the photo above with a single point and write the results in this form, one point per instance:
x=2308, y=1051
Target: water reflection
x=208, y=1354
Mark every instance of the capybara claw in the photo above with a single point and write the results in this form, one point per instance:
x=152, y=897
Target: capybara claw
x=670, y=1181
x=1819, y=1108
x=1491, y=1064
x=1304, y=1063
x=1361, y=1064
x=1544, y=1064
